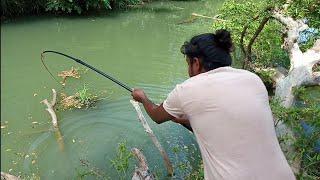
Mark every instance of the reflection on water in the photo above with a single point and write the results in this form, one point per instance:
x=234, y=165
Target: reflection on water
x=140, y=48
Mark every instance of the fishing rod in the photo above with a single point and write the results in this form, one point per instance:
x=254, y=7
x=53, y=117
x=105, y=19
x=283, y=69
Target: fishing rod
x=85, y=64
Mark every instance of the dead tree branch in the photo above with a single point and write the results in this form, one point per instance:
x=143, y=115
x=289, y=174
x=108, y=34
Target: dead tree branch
x=142, y=172
x=216, y=17
x=54, y=120
x=50, y=108
x=254, y=37
x=6, y=176
x=152, y=136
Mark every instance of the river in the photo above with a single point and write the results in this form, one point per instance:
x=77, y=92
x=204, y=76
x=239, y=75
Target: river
x=139, y=47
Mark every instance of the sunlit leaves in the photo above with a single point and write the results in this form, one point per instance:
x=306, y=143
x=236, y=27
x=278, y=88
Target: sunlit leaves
x=267, y=47
x=248, y=15
x=70, y=6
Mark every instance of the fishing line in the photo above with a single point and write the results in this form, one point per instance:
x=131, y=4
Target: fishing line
x=85, y=64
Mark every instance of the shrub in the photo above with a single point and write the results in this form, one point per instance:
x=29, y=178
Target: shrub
x=77, y=5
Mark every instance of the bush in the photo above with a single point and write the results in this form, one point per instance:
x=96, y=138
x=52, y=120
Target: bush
x=19, y=7
x=304, y=123
x=77, y=5
x=11, y=8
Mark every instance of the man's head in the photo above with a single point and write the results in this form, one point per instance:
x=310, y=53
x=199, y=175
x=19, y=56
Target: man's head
x=208, y=51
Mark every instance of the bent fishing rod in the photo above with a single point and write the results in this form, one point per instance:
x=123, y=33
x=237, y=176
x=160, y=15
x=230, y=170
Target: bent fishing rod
x=85, y=64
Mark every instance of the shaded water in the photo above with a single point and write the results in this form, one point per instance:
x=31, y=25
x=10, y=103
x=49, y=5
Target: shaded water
x=139, y=48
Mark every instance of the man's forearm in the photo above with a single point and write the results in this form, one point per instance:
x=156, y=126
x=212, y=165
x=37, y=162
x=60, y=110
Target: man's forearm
x=150, y=108
x=157, y=113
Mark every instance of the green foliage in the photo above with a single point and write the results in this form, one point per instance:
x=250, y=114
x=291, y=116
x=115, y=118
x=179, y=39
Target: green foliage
x=265, y=74
x=18, y=7
x=198, y=174
x=21, y=7
x=237, y=16
x=298, y=91
x=246, y=17
x=69, y=6
x=125, y=3
x=304, y=142
x=84, y=97
x=176, y=149
x=121, y=162
x=157, y=173
x=306, y=9
x=78, y=6
x=316, y=67
x=88, y=170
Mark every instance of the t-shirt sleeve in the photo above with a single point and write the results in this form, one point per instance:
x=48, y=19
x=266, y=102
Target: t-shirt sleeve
x=173, y=104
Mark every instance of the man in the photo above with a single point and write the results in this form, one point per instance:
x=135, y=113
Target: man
x=228, y=110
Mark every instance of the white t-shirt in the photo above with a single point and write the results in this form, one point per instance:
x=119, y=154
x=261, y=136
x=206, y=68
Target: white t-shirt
x=229, y=113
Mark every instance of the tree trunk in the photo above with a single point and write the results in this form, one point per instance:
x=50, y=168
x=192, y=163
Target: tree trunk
x=300, y=74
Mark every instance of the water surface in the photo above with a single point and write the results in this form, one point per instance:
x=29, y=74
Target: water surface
x=138, y=47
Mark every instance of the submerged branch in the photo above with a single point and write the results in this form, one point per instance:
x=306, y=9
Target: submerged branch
x=6, y=176
x=142, y=172
x=152, y=136
x=50, y=108
x=54, y=120
x=216, y=17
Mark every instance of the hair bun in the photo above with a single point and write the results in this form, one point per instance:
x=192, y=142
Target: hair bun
x=223, y=39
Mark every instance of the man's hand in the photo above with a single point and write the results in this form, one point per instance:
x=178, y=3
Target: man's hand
x=138, y=95
x=156, y=112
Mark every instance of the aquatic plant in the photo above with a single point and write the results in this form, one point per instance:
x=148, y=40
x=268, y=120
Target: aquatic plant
x=82, y=98
x=87, y=170
x=197, y=174
x=121, y=162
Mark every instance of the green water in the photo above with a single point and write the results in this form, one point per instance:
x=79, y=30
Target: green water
x=139, y=47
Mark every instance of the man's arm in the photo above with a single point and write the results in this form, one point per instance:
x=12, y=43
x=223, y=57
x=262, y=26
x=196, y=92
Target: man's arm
x=157, y=113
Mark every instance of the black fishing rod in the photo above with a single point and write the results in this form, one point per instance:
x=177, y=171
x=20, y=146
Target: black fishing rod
x=87, y=65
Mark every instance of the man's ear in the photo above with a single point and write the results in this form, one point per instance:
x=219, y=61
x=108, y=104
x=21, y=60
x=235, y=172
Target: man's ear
x=197, y=64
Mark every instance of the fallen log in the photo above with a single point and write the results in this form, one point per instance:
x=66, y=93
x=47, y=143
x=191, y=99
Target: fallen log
x=152, y=136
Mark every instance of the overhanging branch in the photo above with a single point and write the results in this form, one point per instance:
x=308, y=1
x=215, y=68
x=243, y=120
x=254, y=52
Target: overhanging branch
x=314, y=80
x=243, y=34
x=293, y=28
x=254, y=37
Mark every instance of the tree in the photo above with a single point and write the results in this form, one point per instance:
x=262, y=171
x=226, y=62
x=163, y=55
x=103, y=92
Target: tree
x=269, y=34
x=278, y=40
